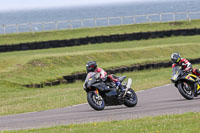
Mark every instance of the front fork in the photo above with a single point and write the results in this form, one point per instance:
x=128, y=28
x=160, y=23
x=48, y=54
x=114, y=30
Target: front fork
x=98, y=97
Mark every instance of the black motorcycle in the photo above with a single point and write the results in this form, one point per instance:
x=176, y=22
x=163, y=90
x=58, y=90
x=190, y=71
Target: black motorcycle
x=105, y=93
x=186, y=82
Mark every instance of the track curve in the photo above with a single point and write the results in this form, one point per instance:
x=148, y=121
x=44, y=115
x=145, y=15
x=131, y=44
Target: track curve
x=156, y=101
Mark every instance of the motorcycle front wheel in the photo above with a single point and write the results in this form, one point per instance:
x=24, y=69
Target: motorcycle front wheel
x=95, y=101
x=130, y=98
x=186, y=90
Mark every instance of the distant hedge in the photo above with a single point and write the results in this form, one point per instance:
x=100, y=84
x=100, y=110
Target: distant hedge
x=98, y=39
x=82, y=76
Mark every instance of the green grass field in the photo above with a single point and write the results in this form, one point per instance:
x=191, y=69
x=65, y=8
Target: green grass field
x=184, y=123
x=84, y=32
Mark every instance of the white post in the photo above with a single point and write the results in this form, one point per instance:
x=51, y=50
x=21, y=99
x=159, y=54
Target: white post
x=4, y=29
x=95, y=22
x=56, y=23
x=17, y=28
x=82, y=23
x=121, y=20
x=188, y=16
x=70, y=25
x=160, y=17
x=148, y=18
x=134, y=19
x=174, y=16
x=43, y=26
x=108, y=21
x=30, y=27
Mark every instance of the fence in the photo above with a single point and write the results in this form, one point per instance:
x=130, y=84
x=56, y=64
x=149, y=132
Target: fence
x=98, y=22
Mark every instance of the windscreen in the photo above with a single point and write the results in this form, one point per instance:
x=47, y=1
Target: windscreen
x=89, y=75
x=176, y=72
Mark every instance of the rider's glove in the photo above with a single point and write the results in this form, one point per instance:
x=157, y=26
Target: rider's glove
x=188, y=69
x=104, y=78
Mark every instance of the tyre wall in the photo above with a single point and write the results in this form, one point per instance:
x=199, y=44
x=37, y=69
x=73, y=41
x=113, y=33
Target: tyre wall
x=98, y=39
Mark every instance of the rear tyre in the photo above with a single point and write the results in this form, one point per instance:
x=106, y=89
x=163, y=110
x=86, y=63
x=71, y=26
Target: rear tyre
x=130, y=98
x=95, y=101
x=186, y=90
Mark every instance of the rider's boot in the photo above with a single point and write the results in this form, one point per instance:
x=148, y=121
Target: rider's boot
x=121, y=89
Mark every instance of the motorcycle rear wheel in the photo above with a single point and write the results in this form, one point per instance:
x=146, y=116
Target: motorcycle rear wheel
x=96, y=102
x=186, y=91
x=131, y=100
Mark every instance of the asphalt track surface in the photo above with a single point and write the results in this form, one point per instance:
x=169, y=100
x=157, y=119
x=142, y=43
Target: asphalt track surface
x=156, y=101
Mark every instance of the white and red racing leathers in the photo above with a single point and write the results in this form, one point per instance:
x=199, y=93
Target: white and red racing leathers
x=103, y=74
x=187, y=66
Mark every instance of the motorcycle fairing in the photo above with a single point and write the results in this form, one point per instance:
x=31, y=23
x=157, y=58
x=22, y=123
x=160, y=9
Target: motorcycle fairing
x=198, y=87
x=191, y=77
x=100, y=86
x=111, y=98
x=178, y=74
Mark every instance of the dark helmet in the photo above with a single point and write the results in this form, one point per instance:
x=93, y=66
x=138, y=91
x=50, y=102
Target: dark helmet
x=175, y=57
x=91, y=66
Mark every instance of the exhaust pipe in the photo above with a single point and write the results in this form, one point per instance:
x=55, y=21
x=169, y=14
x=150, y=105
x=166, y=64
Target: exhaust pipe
x=129, y=83
x=128, y=86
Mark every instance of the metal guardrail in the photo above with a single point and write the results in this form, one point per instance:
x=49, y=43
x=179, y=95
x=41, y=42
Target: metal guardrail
x=98, y=22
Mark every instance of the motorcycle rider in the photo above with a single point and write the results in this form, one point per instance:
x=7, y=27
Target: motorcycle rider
x=91, y=66
x=187, y=66
x=177, y=60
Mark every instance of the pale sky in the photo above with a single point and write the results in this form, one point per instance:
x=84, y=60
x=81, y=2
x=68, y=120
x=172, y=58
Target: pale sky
x=8, y=5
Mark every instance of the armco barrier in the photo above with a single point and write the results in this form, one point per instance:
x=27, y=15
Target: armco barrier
x=98, y=39
x=82, y=76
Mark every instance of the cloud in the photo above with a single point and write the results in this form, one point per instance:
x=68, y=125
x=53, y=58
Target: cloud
x=30, y=4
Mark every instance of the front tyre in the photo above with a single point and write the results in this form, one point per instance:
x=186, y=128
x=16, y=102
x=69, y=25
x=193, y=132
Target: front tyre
x=130, y=98
x=186, y=90
x=95, y=101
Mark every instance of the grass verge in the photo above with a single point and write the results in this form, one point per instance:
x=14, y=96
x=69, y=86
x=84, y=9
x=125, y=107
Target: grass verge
x=181, y=123
x=84, y=32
